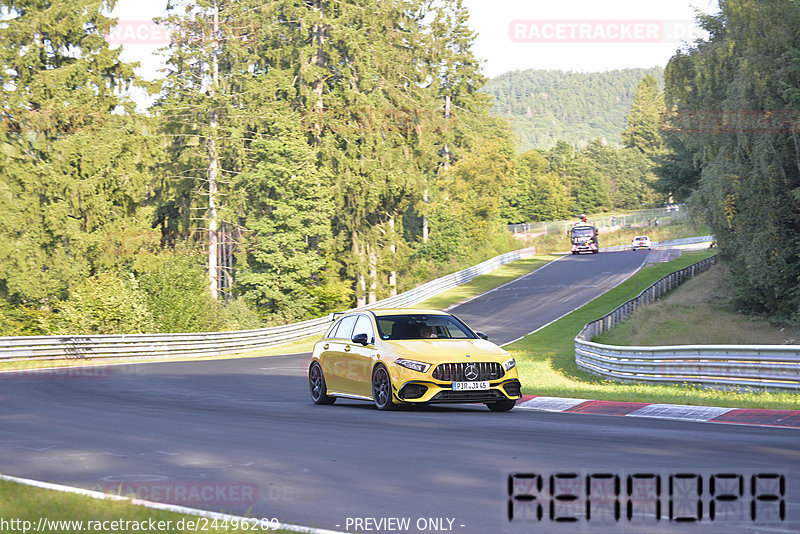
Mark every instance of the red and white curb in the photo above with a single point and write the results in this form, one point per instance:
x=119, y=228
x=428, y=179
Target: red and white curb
x=702, y=414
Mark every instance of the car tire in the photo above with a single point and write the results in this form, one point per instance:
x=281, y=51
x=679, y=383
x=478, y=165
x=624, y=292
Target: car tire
x=382, y=388
x=317, y=386
x=501, y=406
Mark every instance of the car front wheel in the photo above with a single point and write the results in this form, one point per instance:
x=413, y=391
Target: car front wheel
x=317, y=387
x=382, y=388
x=501, y=406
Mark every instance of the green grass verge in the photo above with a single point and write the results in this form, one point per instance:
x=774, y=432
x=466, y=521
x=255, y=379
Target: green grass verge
x=546, y=359
x=485, y=282
x=702, y=311
x=21, y=503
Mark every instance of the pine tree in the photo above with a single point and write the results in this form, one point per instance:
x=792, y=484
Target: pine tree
x=75, y=159
x=287, y=218
x=643, y=130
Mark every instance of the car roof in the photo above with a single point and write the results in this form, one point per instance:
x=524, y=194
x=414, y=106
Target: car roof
x=380, y=312
x=406, y=311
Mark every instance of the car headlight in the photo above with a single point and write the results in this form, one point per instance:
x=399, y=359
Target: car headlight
x=509, y=364
x=414, y=365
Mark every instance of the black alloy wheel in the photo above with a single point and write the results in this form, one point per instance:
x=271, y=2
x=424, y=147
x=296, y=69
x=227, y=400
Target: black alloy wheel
x=382, y=388
x=317, y=387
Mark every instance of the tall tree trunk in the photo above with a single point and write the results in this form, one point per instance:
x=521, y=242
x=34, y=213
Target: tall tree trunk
x=318, y=38
x=213, y=242
x=361, y=283
x=446, y=156
x=372, y=296
x=393, y=248
x=425, y=218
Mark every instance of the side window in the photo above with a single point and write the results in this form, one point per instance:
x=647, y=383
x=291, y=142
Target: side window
x=332, y=330
x=364, y=326
x=345, y=330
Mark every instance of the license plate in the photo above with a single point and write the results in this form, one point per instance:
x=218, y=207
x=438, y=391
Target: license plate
x=467, y=386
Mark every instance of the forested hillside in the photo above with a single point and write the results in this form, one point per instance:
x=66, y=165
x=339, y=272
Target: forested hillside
x=546, y=106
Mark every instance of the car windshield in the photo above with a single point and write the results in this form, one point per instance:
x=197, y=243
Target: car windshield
x=419, y=326
x=583, y=232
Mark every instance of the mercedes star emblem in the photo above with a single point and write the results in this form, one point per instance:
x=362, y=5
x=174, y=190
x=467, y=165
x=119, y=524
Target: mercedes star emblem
x=471, y=372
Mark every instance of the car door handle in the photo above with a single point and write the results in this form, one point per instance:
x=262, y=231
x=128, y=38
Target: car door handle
x=347, y=348
x=326, y=346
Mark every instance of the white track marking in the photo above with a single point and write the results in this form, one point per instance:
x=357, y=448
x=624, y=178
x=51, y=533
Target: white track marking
x=157, y=506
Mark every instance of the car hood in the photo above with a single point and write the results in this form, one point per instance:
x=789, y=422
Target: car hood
x=445, y=350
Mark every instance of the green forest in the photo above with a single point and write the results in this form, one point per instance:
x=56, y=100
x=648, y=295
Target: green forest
x=307, y=157
x=547, y=106
x=733, y=139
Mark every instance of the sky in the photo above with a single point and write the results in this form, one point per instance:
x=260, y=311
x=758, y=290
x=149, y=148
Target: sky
x=573, y=35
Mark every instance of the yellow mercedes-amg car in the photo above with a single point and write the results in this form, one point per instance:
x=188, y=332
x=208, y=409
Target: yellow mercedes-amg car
x=401, y=356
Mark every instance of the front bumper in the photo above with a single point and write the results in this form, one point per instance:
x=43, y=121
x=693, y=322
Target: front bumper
x=430, y=391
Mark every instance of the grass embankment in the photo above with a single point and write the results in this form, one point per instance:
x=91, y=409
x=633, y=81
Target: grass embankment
x=21, y=503
x=699, y=312
x=546, y=359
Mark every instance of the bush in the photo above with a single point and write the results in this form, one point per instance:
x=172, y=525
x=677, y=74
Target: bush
x=107, y=303
x=176, y=290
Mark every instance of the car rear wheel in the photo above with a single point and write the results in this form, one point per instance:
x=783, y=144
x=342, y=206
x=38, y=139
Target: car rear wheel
x=501, y=406
x=382, y=388
x=317, y=387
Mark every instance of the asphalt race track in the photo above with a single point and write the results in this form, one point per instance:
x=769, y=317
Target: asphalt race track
x=243, y=436
x=519, y=307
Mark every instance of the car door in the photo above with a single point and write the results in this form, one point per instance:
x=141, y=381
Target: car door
x=335, y=362
x=360, y=357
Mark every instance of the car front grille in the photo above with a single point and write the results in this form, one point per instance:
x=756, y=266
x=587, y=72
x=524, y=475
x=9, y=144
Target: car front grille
x=454, y=372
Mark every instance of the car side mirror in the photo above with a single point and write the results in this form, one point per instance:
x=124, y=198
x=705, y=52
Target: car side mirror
x=361, y=339
x=482, y=335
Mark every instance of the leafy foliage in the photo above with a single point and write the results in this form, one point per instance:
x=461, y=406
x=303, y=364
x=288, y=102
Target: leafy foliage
x=74, y=159
x=106, y=303
x=736, y=146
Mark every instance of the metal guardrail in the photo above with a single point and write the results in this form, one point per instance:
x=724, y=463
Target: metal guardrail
x=651, y=217
x=768, y=366
x=667, y=243
x=27, y=348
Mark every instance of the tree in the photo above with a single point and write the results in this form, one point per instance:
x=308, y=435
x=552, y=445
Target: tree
x=734, y=105
x=539, y=195
x=588, y=193
x=287, y=213
x=475, y=190
x=75, y=163
x=644, y=119
x=174, y=284
x=107, y=303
